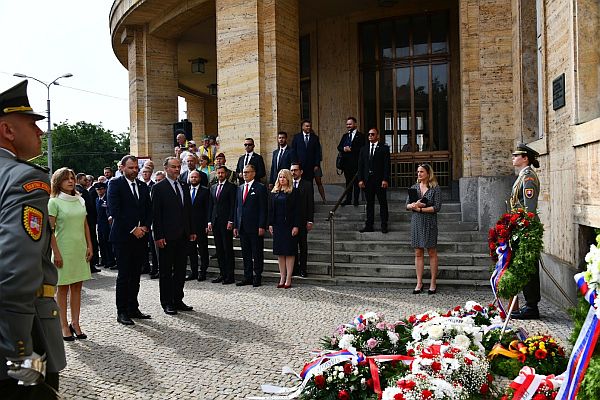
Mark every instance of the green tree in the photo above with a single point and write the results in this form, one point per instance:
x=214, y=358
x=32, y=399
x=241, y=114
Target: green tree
x=84, y=147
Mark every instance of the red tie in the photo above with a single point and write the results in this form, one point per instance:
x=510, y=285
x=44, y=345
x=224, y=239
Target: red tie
x=245, y=193
x=219, y=190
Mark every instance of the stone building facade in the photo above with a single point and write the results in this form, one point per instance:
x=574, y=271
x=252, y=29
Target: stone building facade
x=456, y=83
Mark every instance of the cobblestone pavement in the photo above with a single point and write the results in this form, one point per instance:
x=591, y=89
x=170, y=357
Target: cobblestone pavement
x=234, y=340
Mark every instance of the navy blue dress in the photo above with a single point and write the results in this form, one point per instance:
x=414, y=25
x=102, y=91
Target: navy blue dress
x=284, y=244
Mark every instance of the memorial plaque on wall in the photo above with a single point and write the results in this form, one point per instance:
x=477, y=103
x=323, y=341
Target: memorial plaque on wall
x=558, y=92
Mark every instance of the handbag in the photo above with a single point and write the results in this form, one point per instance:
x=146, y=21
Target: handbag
x=339, y=161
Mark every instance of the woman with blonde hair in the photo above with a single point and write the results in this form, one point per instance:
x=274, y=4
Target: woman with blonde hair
x=71, y=248
x=423, y=224
x=284, y=221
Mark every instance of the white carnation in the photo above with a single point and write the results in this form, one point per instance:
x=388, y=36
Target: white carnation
x=435, y=332
x=462, y=342
x=393, y=336
x=346, y=341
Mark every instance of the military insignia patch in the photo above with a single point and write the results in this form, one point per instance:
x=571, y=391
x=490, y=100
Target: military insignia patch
x=33, y=220
x=529, y=193
x=35, y=185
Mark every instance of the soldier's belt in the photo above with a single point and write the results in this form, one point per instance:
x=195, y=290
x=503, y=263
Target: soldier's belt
x=46, y=291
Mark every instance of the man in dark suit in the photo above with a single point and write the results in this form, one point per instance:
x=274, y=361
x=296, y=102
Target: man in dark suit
x=90, y=208
x=307, y=212
x=199, y=198
x=152, y=269
x=192, y=163
x=350, y=144
x=130, y=208
x=250, y=222
x=106, y=253
x=251, y=158
x=221, y=210
x=173, y=230
x=374, y=178
x=283, y=157
x=308, y=150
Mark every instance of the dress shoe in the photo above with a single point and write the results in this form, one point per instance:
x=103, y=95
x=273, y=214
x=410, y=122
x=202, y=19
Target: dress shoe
x=280, y=286
x=202, y=278
x=94, y=270
x=355, y=204
x=191, y=277
x=69, y=338
x=243, y=283
x=154, y=276
x=256, y=283
x=139, y=315
x=228, y=281
x=287, y=286
x=218, y=279
x=124, y=319
x=77, y=335
x=384, y=229
x=170, y=310
x=526, y=312
x=432, y=291
x=418, y=291
x=183, y=307
x=303, y=274
x=366, y=229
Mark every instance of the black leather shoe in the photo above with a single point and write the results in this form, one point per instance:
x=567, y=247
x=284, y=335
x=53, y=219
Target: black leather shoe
x=355, y=204
x=303, y=274
x=94, y=270
x=366, y=229
x=228, y=281
x=170, y=310
x=74, y=333
x=202, y=278
x=139, y=315
x=69, y=338
x=384, y=229
x=526, y=312
x=154, y=276
x=183, y=307
x=243, y=283
x=256, y=283
x=191, y=277
x=218, y=279
x=124, y=319
x=113, y=267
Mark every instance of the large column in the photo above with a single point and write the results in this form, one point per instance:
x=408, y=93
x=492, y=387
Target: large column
x=257, y=72
x=134, y=38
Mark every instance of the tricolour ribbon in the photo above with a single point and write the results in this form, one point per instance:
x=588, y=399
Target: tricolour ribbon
x=503, y=252
x=528, y=382
x=584, y=347
x=375, y=369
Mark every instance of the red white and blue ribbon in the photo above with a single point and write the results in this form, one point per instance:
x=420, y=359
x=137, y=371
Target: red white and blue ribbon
x=584, y=347
x=503, y=252
x=528, y=382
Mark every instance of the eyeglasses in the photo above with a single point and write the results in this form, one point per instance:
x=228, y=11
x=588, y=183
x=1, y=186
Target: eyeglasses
x=248, y=144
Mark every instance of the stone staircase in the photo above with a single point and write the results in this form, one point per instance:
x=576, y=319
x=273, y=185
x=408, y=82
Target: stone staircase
x=377, y=259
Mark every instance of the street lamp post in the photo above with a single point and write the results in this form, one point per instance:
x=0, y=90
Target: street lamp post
x=49, y=131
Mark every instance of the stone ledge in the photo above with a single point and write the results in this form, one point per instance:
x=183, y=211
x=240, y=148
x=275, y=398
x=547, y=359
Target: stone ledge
x=586, y=133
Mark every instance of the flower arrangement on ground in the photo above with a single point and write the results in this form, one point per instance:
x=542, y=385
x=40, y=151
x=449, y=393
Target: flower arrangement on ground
x=515, y=242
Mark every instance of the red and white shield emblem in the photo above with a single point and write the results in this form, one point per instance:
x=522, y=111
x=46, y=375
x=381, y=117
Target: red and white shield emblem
x=529, y=193
x=33, y=222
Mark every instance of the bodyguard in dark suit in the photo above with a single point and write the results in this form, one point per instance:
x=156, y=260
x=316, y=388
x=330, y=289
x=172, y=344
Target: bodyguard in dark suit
x=130, y=208
x=251, y=158
x=250, y=222
x=374, y=178
x=221, y=211
x=199, y=200
x=349, y=146
x=283, y=157
x=308, y=149
x=106, y=252
x=90, y=208
x=306, y=210
x=173, y=230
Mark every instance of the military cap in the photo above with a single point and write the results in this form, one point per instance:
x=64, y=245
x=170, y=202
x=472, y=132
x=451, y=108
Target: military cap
x=15, y=101
x=100, y=185
x=192, y=143
x=522, y=148
x=220, y=155
x=206, y=137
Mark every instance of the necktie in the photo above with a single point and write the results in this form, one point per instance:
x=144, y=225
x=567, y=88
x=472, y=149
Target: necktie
x=306, y=138
x=247, y=159
x=177, y=191
x=372, y=150
x=279, y=159
x=295, y=184
x=134, y=191
x=245, y=193
x=193, y=194
x=219, y=190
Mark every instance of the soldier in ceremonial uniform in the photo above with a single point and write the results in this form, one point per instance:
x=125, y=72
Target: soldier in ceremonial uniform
x=525, y=192
x=31, y=345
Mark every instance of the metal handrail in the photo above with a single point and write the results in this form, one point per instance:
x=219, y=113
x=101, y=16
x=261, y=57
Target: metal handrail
x=331, y=219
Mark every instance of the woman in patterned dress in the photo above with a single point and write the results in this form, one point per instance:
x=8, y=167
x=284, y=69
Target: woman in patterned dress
x=423, y=224
x=71, y=248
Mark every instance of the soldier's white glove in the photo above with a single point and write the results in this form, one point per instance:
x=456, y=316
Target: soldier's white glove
x=29, y=370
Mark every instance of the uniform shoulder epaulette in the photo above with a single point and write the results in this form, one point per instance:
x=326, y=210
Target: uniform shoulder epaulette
x=44, y=169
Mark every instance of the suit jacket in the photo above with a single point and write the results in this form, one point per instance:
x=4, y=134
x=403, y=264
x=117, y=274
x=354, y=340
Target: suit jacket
x=251, y=214
x=102, y=211
x=378, y=167
x=309, y=156
x=292, y=213
x=287, y=158
x=126, y=211
x=257, y=161
x=172, y=219
x=222, y=210
x=203, y=178
x=306, y=201
x=90, y=205
x=350, y=160
x=200, y=208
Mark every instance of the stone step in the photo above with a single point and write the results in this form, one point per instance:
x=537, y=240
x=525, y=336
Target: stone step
x=392, y=205
x=475, y=272
x=394, y=216
x=393, y=226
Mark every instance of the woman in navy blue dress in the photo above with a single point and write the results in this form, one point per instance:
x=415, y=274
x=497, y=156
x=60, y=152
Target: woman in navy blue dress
x=284, y=220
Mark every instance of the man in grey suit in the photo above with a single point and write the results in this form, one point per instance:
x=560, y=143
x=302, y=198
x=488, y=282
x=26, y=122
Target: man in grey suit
x=31, y=347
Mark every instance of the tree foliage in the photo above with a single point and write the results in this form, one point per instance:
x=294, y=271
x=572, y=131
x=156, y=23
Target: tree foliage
x=85, y=147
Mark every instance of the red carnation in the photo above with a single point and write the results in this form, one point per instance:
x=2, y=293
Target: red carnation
x=477, y=308
x=426, y=394
x=448, y=355
x=347, y=368
x=521, y=357
x=412, y=319
x=410, y=352
x=320, y=381
x=424, y=318
x=343, y=395
x=530, y=214
x=484, y=388
x=436, y=366
x=457, y=308
x=541, y=354
x=369, y=383
x=539, y=396
x=526, y=222
x=399, y=396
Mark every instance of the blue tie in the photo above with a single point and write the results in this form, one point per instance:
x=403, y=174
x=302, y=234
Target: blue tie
x=193, y=194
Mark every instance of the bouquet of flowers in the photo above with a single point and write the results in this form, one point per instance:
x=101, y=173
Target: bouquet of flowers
x=343, y=381
x=482, y=315
x=423, y=387
x=517, y=238
x=370, y=334
x=458, y=332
